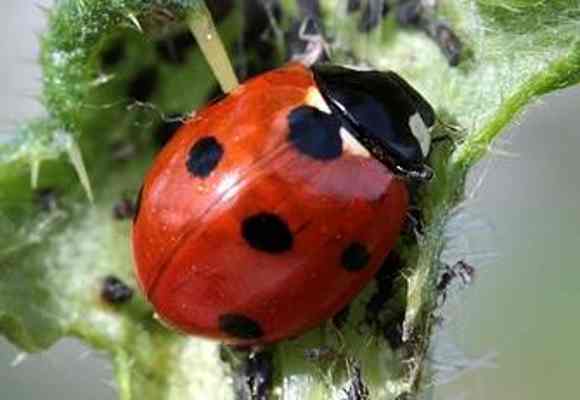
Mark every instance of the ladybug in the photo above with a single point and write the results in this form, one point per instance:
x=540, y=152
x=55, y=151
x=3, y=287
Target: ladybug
x=270, y=209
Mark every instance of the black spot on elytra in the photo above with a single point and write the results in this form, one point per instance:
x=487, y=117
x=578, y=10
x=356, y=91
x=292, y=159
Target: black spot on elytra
x=176, y=48
x=355, y=257
x=268, y=233
x=143, y=85
x=239, y=326
x=167, y=128
x=138, y=205
x=314, y=133
x=204, y=156
x=113, y=54
x=115, y=291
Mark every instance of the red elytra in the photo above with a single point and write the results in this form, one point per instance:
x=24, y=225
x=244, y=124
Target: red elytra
x=246, y=235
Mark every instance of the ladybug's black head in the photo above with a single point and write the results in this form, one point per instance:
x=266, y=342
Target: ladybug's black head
x=385, y=114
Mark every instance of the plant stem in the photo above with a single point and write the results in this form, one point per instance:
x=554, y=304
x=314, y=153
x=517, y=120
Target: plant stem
x=201, y=25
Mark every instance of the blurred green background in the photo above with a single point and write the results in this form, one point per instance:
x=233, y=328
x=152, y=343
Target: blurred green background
x=511, y=335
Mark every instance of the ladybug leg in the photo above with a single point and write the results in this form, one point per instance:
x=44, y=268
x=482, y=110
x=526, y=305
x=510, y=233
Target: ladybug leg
x=420, y=14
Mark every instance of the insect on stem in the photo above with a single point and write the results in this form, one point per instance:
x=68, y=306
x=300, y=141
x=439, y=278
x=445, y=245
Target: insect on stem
x=201, y=25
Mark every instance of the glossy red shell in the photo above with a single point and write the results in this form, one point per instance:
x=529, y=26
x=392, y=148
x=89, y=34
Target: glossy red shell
x=191, y=260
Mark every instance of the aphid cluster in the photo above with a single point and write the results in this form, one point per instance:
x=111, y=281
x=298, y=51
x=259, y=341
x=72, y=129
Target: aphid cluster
x=416, y=14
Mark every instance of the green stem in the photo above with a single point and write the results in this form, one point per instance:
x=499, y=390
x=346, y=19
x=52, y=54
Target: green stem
x=201, y=24
x=122, y=373
x=561, y=73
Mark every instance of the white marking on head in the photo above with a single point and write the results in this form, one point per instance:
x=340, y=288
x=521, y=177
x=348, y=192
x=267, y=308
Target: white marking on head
x=314, y=98
x=351, y=145
x=421, y=132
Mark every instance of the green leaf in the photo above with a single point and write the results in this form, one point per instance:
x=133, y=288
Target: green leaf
x=58, y=252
